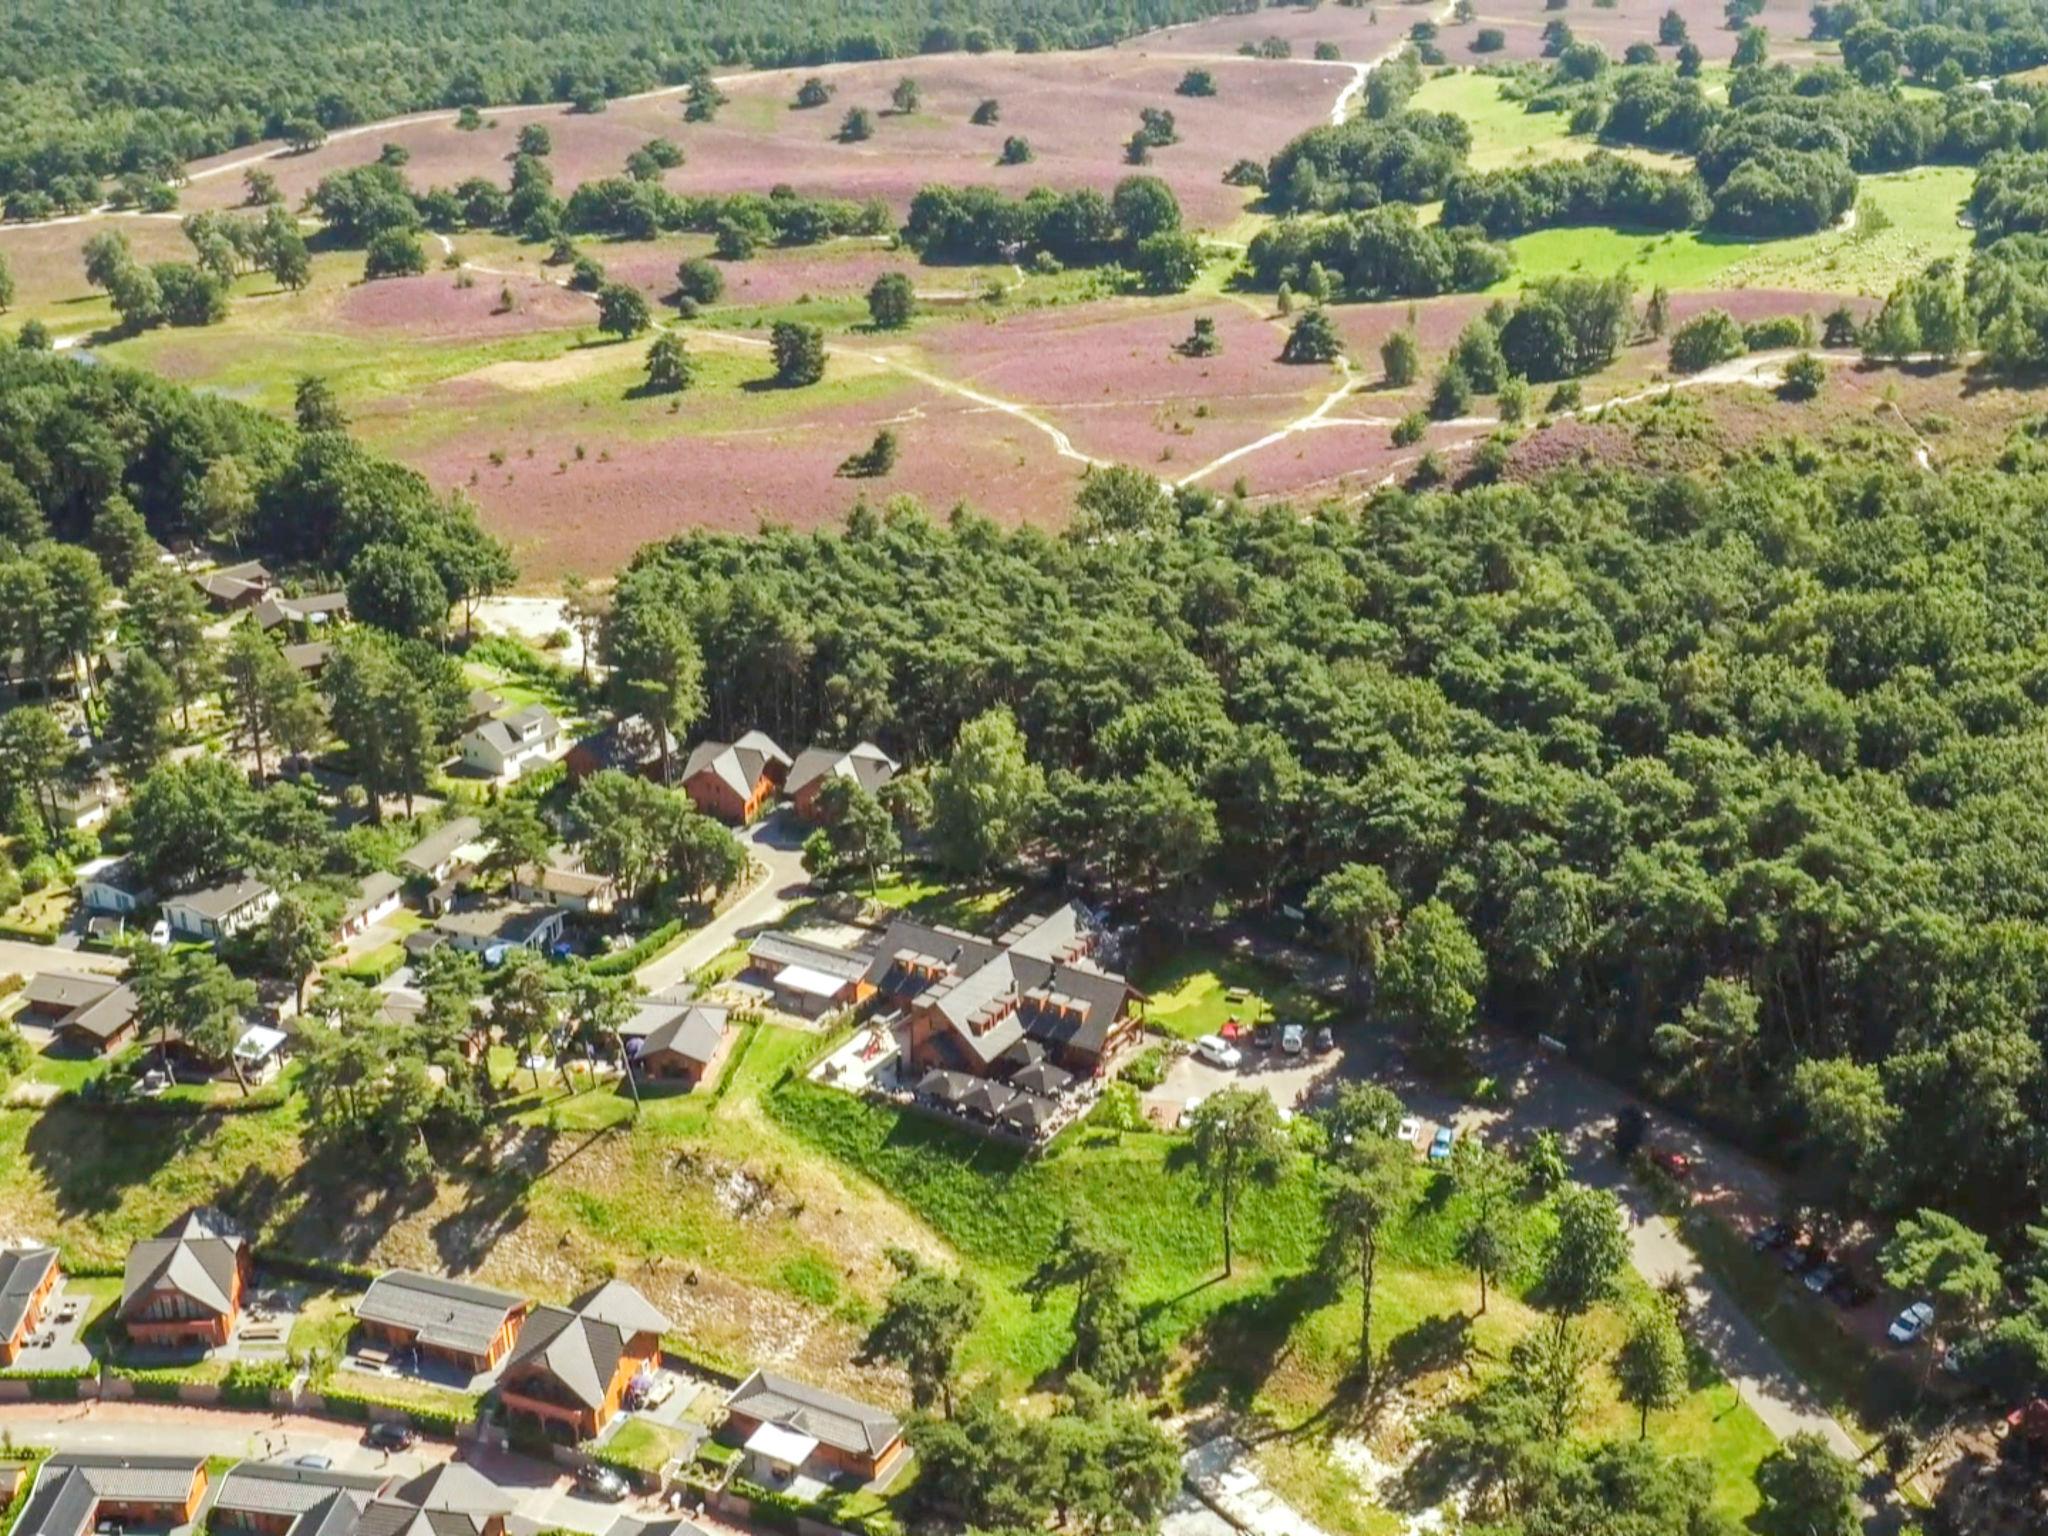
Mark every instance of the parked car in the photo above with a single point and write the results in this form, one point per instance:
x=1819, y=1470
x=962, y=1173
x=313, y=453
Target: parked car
x=1262, y=1034
x=1219, y=1052
x=601, y=1482
x=1801, y=1257
x=1293, y=1038
x=1769, y=1237
x=313, y=1461
x=1907, y=1327
x=1408, y=1129
x=1440, y=1144
x=1820, y=1277
x=1849, y=1289
x=1326, y=1040
x=387, y=1435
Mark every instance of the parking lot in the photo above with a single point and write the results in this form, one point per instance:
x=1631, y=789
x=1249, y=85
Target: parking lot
x=55, y=1345
x=1287, y=1079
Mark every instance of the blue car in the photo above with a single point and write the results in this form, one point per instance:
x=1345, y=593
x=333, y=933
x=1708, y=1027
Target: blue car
x=1440, y=1144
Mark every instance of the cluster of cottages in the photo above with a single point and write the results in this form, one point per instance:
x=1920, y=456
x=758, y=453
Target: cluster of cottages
x=560, y=1373
x=734, y=781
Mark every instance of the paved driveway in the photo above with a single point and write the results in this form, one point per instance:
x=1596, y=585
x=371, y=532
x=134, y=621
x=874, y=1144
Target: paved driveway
x=25, y=959
x=777, y=844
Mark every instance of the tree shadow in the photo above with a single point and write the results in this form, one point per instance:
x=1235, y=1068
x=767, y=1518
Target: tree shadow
x=89, y=1168
x=1246, y=1339
x=1442, y=1343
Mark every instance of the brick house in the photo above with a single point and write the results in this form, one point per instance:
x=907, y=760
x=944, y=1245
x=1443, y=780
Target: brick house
x=735, y=780
x=77, y=1491
x=801, y=1428
x=967, y=1000
x=27, y=1277
x=448, y=1499
x=568, y=1374
x=184, y=1287
x=471, y=1327
x=679, y=1043
x=276, y=1499
x=631, y=744
x=866, y=765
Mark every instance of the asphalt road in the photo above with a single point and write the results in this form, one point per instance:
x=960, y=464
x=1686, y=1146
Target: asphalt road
x=777, y=844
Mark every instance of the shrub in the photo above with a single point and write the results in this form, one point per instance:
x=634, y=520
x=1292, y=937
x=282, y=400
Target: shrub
x=1704, y=340
x=1016, y=151
x=1146, y=1070
x=987, y=114
x=1400, y=358
x=1804, y=377
x=1489, y=40
x=1779, y=331
x=799, y=354
x=394, y=253
x=1410, y=429
x=1314, y=339
x=1451, y=396
x=700, y=281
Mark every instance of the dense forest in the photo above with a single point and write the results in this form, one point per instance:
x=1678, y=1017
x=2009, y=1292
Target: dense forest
x=1726, y=777
x=91, y=88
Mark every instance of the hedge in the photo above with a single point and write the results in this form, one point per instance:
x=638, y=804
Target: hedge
x=444, y=1423
x=781, y=1511
x=628, y=960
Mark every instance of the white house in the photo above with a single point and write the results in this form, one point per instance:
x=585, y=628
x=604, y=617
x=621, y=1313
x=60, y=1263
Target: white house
x=491, y=930
x=112, y=885
x=456, y=842
x=221, y=911
x=376, y=900
x=506, y=747
x=563, y=881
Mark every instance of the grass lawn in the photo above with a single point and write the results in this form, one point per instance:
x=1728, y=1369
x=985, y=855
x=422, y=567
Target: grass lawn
x=1193, y=994
x=1504, y=132
x=645, y=1445
x=930, y=898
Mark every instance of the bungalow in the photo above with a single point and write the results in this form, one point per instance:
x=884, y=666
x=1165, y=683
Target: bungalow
x=967, y=1000
x=569, y=1371
x=788, y=1426
x=113, y=885
x=807, y=977
x=102, y=1025
x=302, y=613
x=507, y=747
x=563, y=882
x=27, y=1277
x=490, y=930
x=236, y=586
x=631, y=745
x=310, y=659
x=480, y=706
x=450, y=1498
x=51, y=996
x=866, y=765
x=184, y=1287
x=470, y=1327
x=276, y=1499
x=444, y=850
x=375, y=900
x=676, y=1042
x=733, y=780
x=80, y=1491
x=217, y=912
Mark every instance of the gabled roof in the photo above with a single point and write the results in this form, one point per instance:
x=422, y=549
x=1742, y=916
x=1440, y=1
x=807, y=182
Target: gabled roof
x=503, y=923
x=692, y=1031
x=218, y=901
x=441, y=844
x=22, y=1272
x=311, y=656
x=62, y=991
x=450, y=1499
x=376, y=889
x=842, y=1422
x=738, y=765
x=630, y=743
x=70, y=1486
x=784, y=949
x=450, y=1314
x=115, y=873
x=280, y=1488
x=579, y=1346
x=197, y=1256
x=866, y=764
x=105, y=1016
x=275, y=610
x=510, y=733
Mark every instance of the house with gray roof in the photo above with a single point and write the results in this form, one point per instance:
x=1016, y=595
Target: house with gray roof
x=680, y=1043
x=451, y=1498
x=506, y=747
x=437, y=855
x=216, y=912
x=734, y=781
x=183, y=1287
x=236, y=586
x=375, y=899
x=289, y=1499
x=112, y=884
x=967, y=1000
x=866, y=765
x=75, y=1489
x=302, y=613
x=802, y=1428
x=806, y=976
x=27, y=1277
x=496, y=927
x=471, y=1327
x=568, y=1374
x=562, y=880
